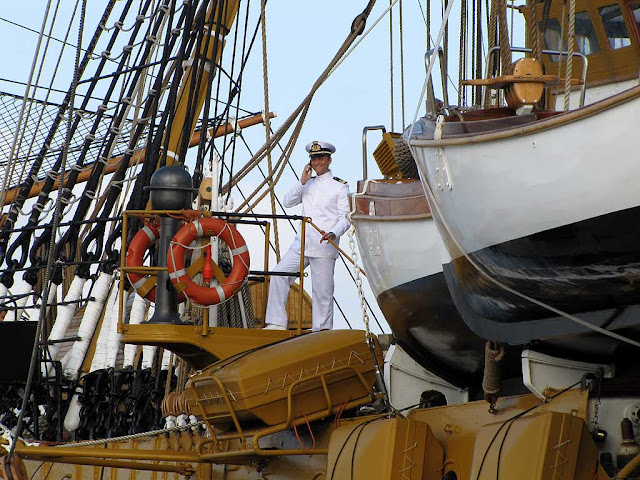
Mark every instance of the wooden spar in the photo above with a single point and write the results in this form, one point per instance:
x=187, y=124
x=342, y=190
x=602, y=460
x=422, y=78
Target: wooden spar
x=138, y=156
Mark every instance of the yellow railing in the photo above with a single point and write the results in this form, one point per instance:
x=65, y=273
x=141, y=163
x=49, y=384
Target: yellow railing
x=260, y=220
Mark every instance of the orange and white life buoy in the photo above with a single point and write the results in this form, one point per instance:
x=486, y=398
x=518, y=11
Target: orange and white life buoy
x=208, y=227
x=144, y=285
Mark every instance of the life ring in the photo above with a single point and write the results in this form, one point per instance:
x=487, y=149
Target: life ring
x=207, y=227
x=140, y=243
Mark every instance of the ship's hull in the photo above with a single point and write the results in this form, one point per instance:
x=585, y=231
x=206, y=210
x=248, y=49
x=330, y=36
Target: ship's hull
x=548, y=208
x=400, y=252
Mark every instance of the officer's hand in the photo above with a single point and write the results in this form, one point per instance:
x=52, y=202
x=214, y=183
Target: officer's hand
x=327, y=236
x=306, y=174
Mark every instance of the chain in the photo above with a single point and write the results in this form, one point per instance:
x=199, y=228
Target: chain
x=358, y=281
x=598, y=403
x=365, y=318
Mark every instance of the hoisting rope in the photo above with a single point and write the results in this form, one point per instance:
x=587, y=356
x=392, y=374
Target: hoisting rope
x=571, y=34
x=462, y=59
x=391, y=64
x=536, y=48
x=267, y=121
x=499, y=32
x=401, y=64
x=505, y=48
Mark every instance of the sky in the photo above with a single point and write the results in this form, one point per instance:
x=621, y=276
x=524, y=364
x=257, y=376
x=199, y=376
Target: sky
x=302, y=37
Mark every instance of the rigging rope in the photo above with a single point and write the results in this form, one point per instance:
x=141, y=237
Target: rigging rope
x=24, y=189
x=300, y=112
x=51, y=256
x=35, y=168
x=36, y=83
x=27, y=93
x=267, y=121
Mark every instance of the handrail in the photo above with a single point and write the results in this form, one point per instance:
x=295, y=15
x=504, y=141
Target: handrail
x=365, y=130
x=585, y=66
x=431, y=98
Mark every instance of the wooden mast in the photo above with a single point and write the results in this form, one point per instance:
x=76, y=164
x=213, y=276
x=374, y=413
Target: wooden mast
x=210, y=52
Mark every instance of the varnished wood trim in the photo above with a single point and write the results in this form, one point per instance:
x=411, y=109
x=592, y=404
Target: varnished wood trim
x=390, y=218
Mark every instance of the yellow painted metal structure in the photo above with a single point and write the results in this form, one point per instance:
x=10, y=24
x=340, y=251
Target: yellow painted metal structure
x=525, y=439
x=201, y=350
x=287, y=381
x=384, y=448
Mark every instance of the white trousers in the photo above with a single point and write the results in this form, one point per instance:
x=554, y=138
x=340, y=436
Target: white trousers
x=322, y=285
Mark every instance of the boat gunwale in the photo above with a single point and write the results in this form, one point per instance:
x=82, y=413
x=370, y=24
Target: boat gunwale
x=533, y=127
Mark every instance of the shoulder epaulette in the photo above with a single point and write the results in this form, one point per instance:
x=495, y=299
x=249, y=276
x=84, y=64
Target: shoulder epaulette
x=339, y=180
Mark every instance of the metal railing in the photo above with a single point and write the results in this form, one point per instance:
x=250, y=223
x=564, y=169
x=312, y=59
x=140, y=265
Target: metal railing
x=366, y=130
x=230, y=217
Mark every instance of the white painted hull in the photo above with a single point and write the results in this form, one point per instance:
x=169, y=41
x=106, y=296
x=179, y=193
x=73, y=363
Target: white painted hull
x=397, y=252
x=527, y=183
x=550, y=209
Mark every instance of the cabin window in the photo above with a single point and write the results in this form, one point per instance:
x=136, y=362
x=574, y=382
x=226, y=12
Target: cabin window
x=553, y=38
x=585, y=35
x=614, y=26
x=635, y=10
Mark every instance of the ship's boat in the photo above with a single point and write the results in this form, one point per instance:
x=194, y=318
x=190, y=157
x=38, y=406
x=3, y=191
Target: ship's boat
x=400, y=249
x=536, y=203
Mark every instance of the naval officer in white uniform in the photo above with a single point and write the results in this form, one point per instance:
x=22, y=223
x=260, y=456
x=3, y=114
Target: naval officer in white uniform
x=324, y=199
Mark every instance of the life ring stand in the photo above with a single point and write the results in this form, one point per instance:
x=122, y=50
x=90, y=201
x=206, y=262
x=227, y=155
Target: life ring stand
x=182, y=282
x=144, y=285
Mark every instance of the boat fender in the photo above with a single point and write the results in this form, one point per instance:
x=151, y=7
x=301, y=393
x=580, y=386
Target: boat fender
x=182, y=282
x=492, y=379
x=144, y=285
x=72, y=418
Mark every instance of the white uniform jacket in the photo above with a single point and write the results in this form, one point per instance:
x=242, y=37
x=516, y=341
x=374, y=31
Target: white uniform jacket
x=324, y=199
